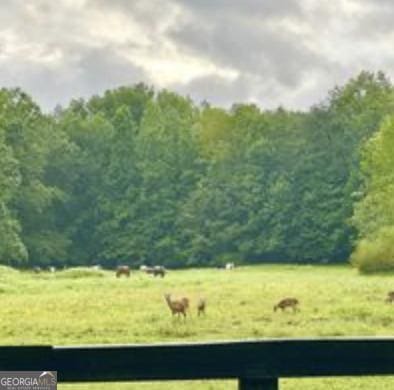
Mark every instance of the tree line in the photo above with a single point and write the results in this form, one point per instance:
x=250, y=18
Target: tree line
x=140, y=176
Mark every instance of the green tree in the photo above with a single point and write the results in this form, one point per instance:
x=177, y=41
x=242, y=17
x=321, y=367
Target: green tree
x=12, y=249
x=169, y=165
x=374, y=214
x=27, y=133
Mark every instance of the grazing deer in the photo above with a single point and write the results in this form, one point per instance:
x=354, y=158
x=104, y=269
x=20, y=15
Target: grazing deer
x=390, y=297
x=287, y=302
x=201, y=306
x=157, y=270
x=122, y=270
x=177, y=307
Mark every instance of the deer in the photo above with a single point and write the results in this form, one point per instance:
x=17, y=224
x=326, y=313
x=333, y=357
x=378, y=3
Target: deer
x=201, y=306
x=177, y=307
x=122, y=270
x=390, y=297
x=158, y=270
x=287, y=302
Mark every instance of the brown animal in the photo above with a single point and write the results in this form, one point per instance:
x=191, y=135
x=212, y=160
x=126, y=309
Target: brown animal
x=390, y=297
x=122, y=270
x=287, y=302
x=177, y=307
x=158, y=270
x=201, y=306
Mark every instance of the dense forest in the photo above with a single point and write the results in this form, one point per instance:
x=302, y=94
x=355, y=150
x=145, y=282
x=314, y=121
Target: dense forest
x=139, y=176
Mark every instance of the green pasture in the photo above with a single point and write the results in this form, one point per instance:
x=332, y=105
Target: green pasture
x=83, y=306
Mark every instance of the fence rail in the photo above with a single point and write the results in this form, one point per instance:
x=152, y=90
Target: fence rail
x=256, y=364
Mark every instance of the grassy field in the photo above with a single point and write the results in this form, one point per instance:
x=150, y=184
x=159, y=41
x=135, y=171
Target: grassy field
x=83, y=307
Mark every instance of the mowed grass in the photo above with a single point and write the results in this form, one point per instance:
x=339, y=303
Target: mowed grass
x=94, y=307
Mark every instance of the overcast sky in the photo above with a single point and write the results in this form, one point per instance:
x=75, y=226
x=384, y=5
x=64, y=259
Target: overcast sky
x=271, y=52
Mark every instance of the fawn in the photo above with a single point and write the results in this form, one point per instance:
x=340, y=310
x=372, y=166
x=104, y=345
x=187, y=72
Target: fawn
x=390, y=297
x=201, y=306
x=287, y=302
x=178, y=306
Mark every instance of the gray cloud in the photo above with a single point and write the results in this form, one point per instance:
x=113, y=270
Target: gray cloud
x=51, y=51
x=249, y=8
x=150, y=13
x=251, y=48
x=295, y=51
x=213, y=88
x=92, y=72
x=377, y=22
x=285, y=52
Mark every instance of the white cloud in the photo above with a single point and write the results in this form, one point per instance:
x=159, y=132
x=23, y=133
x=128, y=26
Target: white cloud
x=286, y=52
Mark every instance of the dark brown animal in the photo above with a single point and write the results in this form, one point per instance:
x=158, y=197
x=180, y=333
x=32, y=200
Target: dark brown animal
x=390, y=297
x=287, y=302
x=177, y=307
x=123, y=270
x=155, y=271
x=201, y=305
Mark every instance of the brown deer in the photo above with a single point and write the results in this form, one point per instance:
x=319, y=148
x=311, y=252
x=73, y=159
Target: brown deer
x=177, y=307
x=287, y=302
x=122, y=270
x=201, y=306
x=157, y=270
x=390, y=297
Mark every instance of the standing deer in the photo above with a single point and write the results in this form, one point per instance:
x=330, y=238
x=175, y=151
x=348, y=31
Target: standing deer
x=122, y=270
x=390, y=297
x=201, y=306
x=177, y=306
x=287, y=302
x=157, y=270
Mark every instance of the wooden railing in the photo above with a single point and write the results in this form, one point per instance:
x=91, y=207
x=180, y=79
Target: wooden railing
x=256, y=364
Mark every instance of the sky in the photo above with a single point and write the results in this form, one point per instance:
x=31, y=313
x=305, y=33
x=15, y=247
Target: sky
x=273, y=53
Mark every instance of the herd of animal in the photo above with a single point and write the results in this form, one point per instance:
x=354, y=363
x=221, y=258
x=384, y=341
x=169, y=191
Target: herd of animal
x=157, y=270
x=180, y=307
